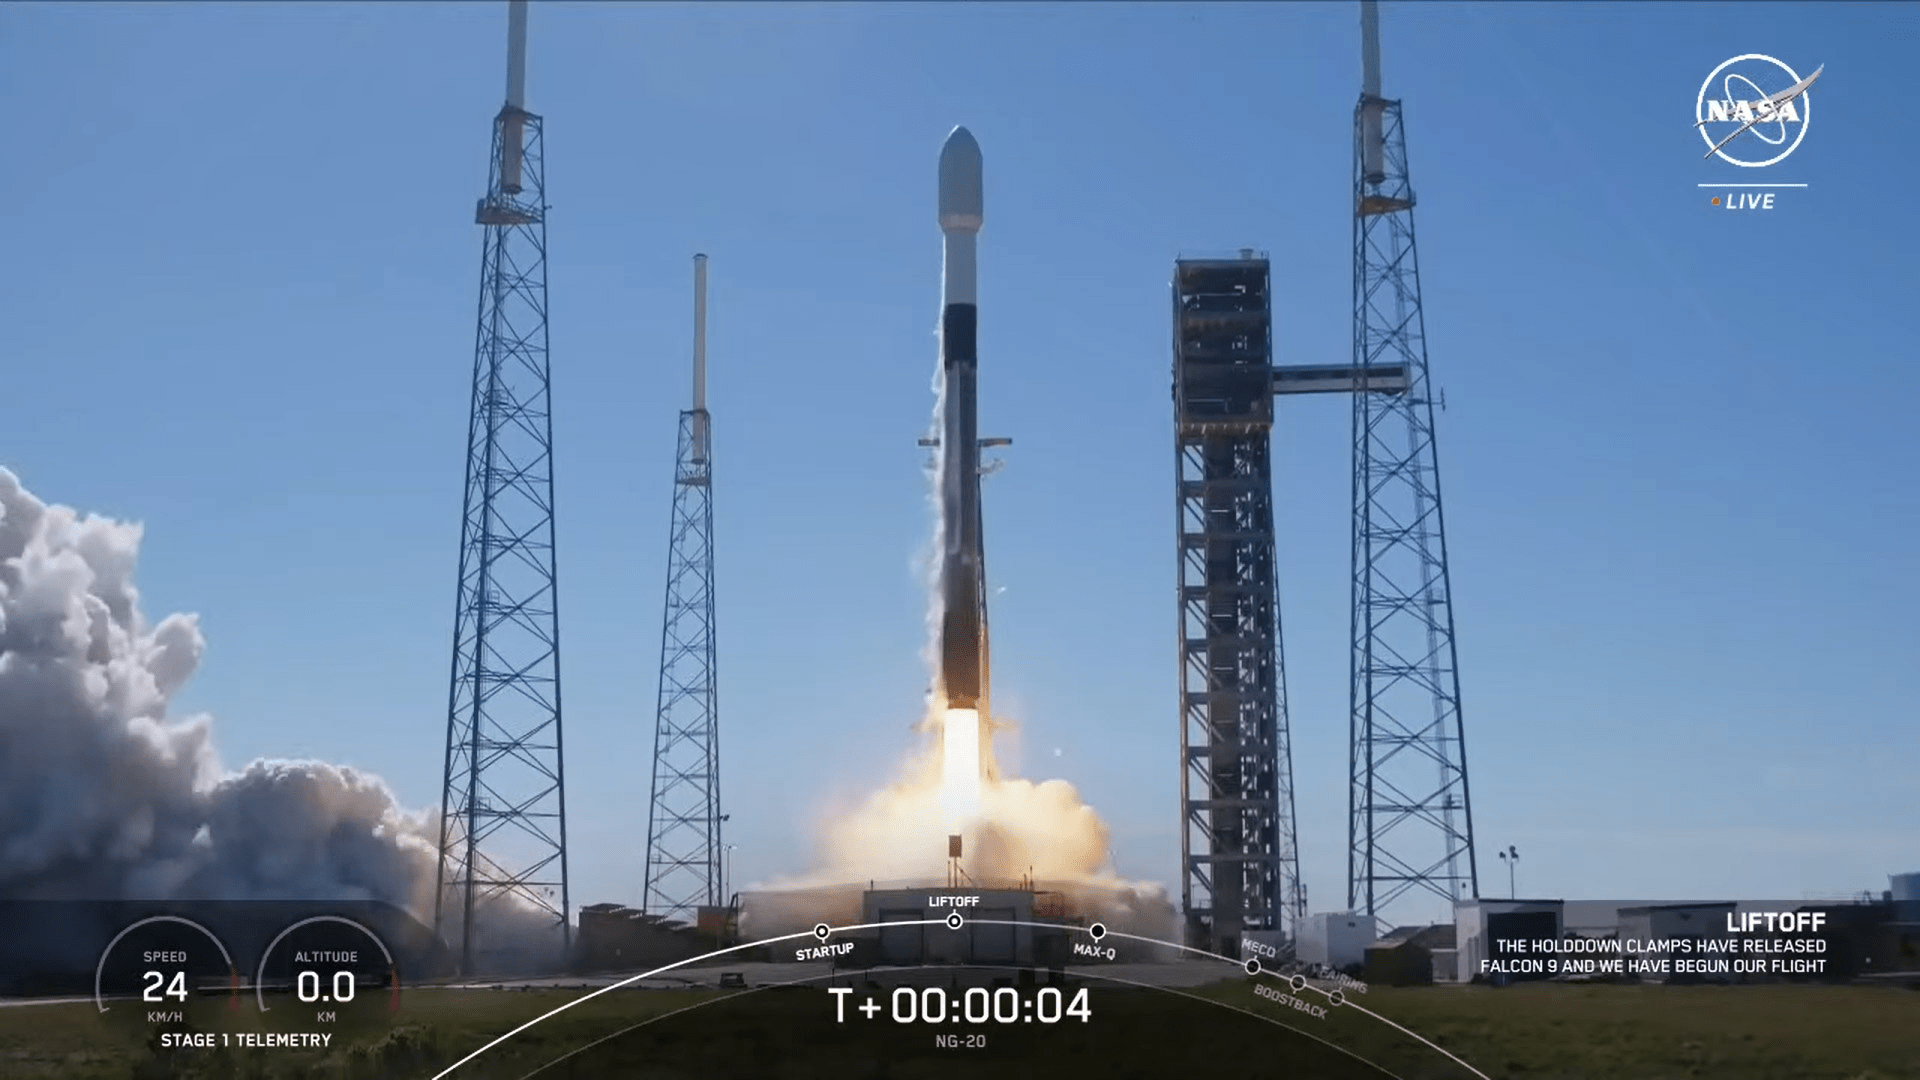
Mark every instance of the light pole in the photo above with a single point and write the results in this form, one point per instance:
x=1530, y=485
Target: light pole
x=727, y=876
x=1511, y=857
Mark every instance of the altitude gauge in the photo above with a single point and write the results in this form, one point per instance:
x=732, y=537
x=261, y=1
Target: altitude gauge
x=168, y=973
x=324, y=973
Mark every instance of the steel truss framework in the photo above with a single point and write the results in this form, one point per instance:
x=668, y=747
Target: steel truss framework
x=1410, y=823
x=684, y=852
x=503, y=829
x=1240, y=867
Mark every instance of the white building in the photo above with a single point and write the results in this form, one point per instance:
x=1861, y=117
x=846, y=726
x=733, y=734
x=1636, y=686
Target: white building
x=1337, y=939
x=1662, y=923
x=1481, y=922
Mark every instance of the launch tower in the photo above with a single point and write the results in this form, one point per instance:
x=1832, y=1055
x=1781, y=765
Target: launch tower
x=1240, y=866
x=683, y=867
x=1410, y=825
x=503, y=825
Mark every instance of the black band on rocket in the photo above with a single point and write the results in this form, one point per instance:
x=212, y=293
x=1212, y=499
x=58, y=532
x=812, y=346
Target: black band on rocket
x=959, y=327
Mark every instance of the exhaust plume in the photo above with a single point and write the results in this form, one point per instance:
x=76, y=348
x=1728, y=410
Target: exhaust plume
x=106, y=796
x=1023, y=835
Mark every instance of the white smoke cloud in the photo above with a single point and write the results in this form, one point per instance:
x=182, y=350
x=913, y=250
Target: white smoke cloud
x=104, y=795
x=1026, y=834
x=933, y=558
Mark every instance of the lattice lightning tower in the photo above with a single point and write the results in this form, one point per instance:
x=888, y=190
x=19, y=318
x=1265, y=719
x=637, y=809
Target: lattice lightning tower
x=683, y=867
x=503, y=831
x=1410, y=824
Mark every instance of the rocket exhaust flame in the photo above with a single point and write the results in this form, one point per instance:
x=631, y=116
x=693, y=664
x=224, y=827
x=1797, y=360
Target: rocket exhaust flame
x=960, y=767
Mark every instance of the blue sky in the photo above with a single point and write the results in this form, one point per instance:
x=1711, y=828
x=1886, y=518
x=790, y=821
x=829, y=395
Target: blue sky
x=1678, y=452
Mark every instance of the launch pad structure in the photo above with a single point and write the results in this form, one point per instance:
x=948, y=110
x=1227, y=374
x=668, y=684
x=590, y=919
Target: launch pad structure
x=1240, y=865
x=1410, y=821
x=684, y=855
x=503, y=825
x=1409, y=825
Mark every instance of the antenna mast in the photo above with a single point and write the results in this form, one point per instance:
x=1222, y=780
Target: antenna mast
x=700, y=358
x=1372, y=141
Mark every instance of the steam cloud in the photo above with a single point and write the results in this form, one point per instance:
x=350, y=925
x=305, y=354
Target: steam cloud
x=1037, y=835
x=104, y=796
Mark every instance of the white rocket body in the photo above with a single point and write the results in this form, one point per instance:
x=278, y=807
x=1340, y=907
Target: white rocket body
x=963, y=639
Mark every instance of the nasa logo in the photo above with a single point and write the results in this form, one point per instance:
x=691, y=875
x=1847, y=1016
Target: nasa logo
x=1754, y=110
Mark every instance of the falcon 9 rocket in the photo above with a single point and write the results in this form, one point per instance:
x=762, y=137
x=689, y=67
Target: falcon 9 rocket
x=963, y=623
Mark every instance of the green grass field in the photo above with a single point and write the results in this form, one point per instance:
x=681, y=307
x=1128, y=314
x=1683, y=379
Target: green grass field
x=1590, y=1032
x=1638, y=1032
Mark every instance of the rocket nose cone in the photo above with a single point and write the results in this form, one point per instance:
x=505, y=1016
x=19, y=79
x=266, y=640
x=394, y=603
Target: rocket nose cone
x=960, y=141
x=962, y=195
